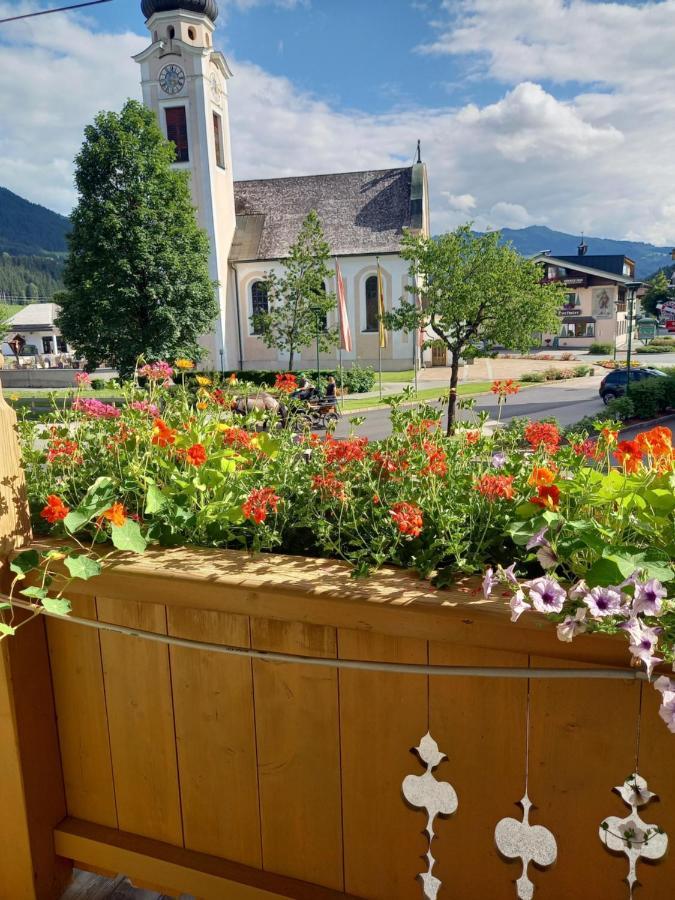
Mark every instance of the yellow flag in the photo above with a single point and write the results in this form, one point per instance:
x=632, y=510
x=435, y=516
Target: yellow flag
x=380, y=308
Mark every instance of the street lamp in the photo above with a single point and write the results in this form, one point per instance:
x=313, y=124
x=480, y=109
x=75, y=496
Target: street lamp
x=631, y=290
x=318, y=314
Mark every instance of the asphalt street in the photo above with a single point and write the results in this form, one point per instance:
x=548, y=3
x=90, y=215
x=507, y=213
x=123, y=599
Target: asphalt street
x=566, y=401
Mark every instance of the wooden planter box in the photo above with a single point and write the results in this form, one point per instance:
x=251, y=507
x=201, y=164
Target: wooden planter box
x=229, y=777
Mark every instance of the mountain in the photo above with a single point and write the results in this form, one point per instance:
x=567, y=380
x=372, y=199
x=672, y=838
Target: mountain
x=28, y=229
x=32, y=248
x=647, y=257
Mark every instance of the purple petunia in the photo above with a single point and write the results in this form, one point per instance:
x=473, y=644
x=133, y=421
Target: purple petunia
x=490, y=581
x=518, y=605
x=538, y=539
x=547, y=595
x=648, y=598
x=572, y=625
x=643, y=642
x=667, y=711
x=499, y=459
x=604, y=601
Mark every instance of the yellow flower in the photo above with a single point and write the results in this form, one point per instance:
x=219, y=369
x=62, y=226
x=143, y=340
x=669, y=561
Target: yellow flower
x=203, y=381
x=202, y=405
x=14, y=397
x=184, y=364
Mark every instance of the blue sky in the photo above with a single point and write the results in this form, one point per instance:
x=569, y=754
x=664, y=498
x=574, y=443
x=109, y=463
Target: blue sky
x=555, y=112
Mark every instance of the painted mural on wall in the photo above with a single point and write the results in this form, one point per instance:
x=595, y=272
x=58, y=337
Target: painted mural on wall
x=603, y=305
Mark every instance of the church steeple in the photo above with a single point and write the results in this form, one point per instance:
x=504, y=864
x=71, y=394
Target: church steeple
x=184, y=82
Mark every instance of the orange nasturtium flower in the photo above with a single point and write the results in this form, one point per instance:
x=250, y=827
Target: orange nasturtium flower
x=548, y=496
x=55, y=510
x=196, y=455
x=656, y=442
x=629, y=455
x=162, y=435
x=116, y=514
x=541, y=476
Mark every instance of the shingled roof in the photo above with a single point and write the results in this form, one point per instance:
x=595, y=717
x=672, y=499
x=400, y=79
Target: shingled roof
x=361, y=212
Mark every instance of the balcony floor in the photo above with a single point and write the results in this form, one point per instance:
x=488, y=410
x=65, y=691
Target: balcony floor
x=86, y=886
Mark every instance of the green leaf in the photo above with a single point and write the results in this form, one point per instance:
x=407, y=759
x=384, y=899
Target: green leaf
x=6, y=629
x=155, y=500
x=267, y=444
x=97, y=499
x=25, y=562
x=619, y=564
x=235, y=515
x=37, y=592
x=82, y=566
x=661, y=499
x=129, y=537
x=57, y=605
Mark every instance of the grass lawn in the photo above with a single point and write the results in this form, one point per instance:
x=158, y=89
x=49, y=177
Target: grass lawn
x=388, y=377
x=43, y=393
x=463, y=390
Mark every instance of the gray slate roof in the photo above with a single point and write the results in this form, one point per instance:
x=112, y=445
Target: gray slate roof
x=360, y=212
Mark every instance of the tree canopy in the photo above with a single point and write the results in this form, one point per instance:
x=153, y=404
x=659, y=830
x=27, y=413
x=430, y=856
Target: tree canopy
x=298, y=297
x=474, y=293
x=137, y=276
x=659, y=291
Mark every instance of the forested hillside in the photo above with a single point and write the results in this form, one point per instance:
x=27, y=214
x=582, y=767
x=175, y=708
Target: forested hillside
x=29, y=277
x=29, y=229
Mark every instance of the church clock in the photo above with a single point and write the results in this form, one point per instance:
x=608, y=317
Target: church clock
x=172, y=79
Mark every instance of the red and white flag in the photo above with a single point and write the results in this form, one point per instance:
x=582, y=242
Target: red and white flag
x=345, y=332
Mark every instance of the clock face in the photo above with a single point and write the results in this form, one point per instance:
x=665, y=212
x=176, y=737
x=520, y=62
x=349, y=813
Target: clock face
x=172, y=79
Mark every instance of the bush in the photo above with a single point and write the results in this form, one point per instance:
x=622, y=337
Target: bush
x=580, y=371
x=357, y=380
x=654, y=348
x=98, y=384
x=553, y=374
x=620, y=409
x=533, y=377
x=653, y=396
x=598, y=348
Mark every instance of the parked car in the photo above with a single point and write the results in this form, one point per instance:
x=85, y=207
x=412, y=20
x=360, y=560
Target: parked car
x=614, y=384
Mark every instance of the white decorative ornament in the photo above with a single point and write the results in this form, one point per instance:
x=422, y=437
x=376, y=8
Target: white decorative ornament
x=436, y=797
x=631, y=835
x=532, y=843
x=216, y=92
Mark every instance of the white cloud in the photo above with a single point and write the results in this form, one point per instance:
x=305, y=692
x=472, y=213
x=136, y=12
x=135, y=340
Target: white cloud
x=601, y=160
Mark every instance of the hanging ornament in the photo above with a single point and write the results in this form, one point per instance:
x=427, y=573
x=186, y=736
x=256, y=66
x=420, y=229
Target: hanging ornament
x=436, y=797
x=532, y=843
x=631, y=835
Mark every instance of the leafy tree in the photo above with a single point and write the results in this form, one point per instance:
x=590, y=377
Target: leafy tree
x=6, y=313
x=294, y=296
x=658, y=292
x=475, y=293
x=137, y=276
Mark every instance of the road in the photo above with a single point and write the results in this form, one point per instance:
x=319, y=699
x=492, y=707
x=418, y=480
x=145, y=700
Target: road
x=566, y=401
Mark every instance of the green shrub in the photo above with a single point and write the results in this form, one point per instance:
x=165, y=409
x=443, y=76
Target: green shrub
x=620, y=409
x=654, y=348
x=98, y=384
x=357, y=380
x=580, y=371
x=653, y=396
x=600, y=348
x=553, y=374
x=533, y=377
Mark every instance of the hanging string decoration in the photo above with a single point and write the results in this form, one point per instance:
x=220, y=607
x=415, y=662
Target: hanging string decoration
x=631, y=835
x=436, y=797
x=531, y=843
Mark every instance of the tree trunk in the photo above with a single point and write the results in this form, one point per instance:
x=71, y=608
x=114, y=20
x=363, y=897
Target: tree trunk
x=291, y=354
x=452, y=396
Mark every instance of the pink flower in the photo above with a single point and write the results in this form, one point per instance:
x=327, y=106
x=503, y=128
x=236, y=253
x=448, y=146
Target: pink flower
x=547, y=595
x=648, y=598
x=667, y=712
x=95, y=409
x=157, y=371
x=82, y=379
x=145, y=407
x=604, y=601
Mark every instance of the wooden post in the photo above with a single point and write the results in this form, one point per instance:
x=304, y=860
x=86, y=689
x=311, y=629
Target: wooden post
x=32, y=799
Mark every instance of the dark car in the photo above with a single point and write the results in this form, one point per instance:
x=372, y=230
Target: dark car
x=614, y=384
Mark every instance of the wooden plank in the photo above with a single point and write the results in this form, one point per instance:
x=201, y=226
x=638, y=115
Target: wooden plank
x=77, y=673
x=175, y=870
x=655, y=764
x=31, y=785
x=382, y=716
x=297, y=727
x=480, y=724
x=215, y=731
x=582, y=744
x=140, y=715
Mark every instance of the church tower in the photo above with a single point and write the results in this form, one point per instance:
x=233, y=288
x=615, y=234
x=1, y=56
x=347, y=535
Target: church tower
x=184, y=82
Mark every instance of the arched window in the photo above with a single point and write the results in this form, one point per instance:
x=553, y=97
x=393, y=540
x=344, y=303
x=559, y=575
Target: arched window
x=171, y=32
x=192, y=34
x=259, y=303
x=372, y=323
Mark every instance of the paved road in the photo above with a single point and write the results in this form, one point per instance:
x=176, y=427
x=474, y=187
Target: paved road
x=567, y=402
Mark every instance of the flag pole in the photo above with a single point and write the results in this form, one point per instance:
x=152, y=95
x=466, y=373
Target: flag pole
x=380, y=323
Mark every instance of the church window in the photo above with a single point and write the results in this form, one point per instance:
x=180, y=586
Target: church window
x=171, y=32
x=218, y=137
x=372, y=323
x=176, y=131
x=259, y=303
x=192, y=34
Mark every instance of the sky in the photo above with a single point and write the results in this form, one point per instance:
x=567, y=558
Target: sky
x=546, y=112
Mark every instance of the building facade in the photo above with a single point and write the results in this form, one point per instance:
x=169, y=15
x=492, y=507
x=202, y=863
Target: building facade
x=251, y=224
x=595, y=308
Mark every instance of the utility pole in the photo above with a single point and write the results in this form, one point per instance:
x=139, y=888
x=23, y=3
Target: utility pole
x=631, y=290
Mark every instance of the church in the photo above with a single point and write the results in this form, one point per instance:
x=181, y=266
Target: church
x=251, y=224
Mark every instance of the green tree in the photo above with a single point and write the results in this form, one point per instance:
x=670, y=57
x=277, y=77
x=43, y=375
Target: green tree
x=32, y=292
x=475, y=293
x=298, y=298
x=658, y=292
x=137, y=276
x=6, y=314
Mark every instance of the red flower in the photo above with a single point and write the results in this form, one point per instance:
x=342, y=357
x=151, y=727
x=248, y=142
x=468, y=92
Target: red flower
x=587, y=448
x=437, y=460
x=259, y=503
x=237, y=437
x=286, y=382
x=116, y=514
x=329, y=485
x=376, y=499
x=344, y=452
x=656, y=442
x=495, y=487
x=504, y=388
x=196, y=455
x=543, y=434
x=541, y=476
x=219, y=397
x=629, y=455
x=391, y=463
x=547, y=496
x=63, y=449
x=417, y=429
x=408, y=518
x=162, y=435
x=472, y=436
x=55, y=510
